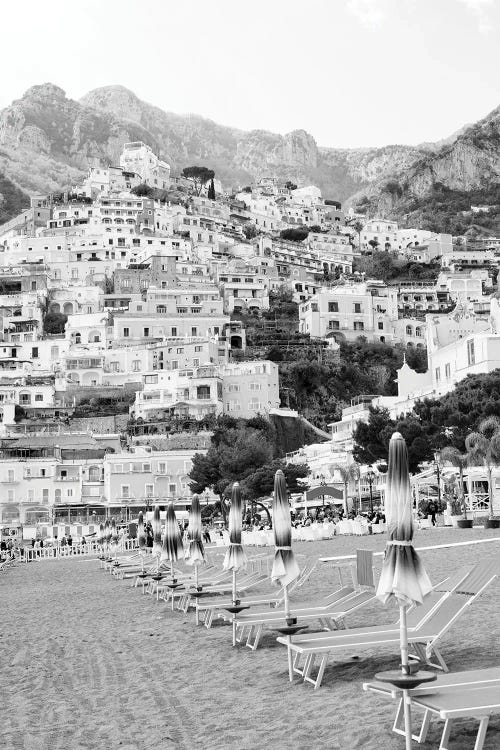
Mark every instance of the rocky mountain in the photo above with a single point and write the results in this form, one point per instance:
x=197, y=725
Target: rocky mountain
x=456, y=174
x=48, y=142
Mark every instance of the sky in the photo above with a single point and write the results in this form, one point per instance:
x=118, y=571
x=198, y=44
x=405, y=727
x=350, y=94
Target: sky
x=351, y=72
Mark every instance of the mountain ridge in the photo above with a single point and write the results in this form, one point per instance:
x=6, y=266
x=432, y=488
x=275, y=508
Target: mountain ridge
x=48, y=141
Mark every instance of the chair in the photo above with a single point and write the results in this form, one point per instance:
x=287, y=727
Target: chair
x=474, y=694
x=427, y=625
x=211, y=608
x=330, y=615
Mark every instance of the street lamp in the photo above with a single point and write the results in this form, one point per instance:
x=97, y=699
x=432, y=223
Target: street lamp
x=370, y=475
x=438, y=476
x=322, y=482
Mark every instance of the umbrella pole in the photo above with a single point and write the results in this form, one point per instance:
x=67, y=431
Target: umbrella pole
x=173, y=579
x=234, y=604
x=287, y=616
x=196, y=600
x=403, y=639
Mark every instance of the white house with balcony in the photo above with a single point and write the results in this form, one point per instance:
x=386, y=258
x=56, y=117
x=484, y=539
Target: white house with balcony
x=191, y=394
x=250, y=388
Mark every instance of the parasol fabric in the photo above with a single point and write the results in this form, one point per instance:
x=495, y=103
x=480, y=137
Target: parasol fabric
x=285, y=568
x=107, y=532
x=235, y=557
x=156, y=525
x=172, y=548
x=100, y=538
x=403, y=577
x=195, y=553
x=141, y=534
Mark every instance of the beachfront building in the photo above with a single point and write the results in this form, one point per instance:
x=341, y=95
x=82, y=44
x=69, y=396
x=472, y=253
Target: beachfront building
x=350, y=310
x=190, y=394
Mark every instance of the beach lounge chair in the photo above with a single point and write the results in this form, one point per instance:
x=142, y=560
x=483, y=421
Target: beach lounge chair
x=210, y=608
x=473, y=694
x=424, y=633
x=330, y=614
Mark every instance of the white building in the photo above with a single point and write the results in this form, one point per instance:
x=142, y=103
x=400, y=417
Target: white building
x=139, y=158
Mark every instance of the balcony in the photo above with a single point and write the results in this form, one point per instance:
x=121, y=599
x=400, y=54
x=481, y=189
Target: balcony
x=75, y=478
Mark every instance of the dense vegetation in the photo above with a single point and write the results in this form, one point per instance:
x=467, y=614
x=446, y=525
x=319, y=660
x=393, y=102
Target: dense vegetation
x=435, y=423
x=12, y=199
x=389, y=266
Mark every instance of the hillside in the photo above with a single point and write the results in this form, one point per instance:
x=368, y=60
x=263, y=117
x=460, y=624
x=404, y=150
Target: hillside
x=48, y=141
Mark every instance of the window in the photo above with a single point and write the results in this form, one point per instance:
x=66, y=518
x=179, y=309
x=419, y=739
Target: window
x=136, y=365
x=180, y=350
x=194, y=331
x=45, y=495
x=380, y=325
x=162, y=468
x=447, y=371
x=471, y=355
x=357, y=307
x=174, y=330
x=149, y=490
x=332, y=306
x=198, y=348
x=196, y=362
x=438, y=374
x=34, y=352
x=150, y=378
x=172, y=489
x=409, y=330
x=359, y=325
x=126, y=332
x=146, y=333
x=10, y=475
x=125, y=491
x=175, y=364
x=38, y=396
x=333, y=325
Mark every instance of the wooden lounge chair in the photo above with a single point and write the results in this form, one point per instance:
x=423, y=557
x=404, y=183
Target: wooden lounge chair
x=473, y=694
x=424, y=633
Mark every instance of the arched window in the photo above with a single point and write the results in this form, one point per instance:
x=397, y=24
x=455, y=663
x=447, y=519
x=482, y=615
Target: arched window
x=94, y=474
x=418, y=331
x=78, y=338
x=409, y=330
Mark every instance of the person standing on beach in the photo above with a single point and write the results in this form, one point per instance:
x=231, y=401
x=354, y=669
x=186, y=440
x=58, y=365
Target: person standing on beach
x=70, y=541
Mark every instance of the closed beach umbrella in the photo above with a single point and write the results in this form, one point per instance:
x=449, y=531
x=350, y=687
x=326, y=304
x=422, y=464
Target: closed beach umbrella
x=156, y=526
x=285, y=568
x=195, y=553
x=107, y=533
x=235, y=557
x=114, y=536
x=172, y=548
x=100, y=538
x=403, y=578
x=141, y=534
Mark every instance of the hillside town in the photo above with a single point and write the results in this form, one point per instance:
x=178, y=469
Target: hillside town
x=126, y=306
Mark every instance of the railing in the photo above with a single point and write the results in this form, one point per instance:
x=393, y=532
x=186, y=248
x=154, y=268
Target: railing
x=90, y=549
x=478, y=501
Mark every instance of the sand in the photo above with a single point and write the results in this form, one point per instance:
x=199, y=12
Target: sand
x=88, y=663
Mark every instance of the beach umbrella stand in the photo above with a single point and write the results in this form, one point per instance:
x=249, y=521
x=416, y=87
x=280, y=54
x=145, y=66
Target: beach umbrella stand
x=235, y=557
x=285, y=568
x=156, y=525
x=403, y=578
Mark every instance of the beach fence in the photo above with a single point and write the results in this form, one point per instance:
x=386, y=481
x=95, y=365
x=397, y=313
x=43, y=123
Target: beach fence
x=58, y=552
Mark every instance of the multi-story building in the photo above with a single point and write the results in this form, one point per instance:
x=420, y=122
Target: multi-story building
x=191, y=394
x=350, y=310
x=250, y=388
x=139, y=158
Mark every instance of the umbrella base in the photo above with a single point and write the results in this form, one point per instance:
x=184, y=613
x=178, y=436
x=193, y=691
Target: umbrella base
x=405, y=681
x=237, y=608
x=291, y=629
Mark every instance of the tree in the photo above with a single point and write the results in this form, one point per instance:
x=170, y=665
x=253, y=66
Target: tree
x=211, y=190
x=294, y=235
x=250, y=231
x=483, y=448
x=373, y=244
x=348, y=474
x=143, y=190
x=459, y=461
x=358, y=227
x=54, y=323
x=290, y=185
x=234, y=454
x=199, y=176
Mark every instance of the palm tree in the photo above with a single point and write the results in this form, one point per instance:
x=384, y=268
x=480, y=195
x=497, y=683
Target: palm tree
x=459, y=461
x=483, y=448
x=358, y=227
x=348, y=474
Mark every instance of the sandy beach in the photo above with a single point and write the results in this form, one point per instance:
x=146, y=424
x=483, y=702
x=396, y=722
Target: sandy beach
x=88, y=663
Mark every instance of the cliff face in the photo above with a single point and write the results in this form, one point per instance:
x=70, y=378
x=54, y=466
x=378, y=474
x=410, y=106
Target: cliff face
x=48, y=142
x=471, y=162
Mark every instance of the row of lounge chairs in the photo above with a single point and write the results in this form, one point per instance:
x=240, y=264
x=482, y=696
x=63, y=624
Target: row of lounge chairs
x=312, y=651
